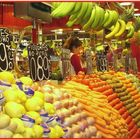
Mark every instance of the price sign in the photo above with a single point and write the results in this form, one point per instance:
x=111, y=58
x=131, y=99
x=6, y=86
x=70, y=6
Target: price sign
x=126, y=63
x=6, y=53
x=101, y=61
x=39, y=63
x=66, y=64
x=89, y=61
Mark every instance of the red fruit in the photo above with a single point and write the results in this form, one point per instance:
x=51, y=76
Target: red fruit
x=129, y=119
x=131, y=125
x=85, y=81
x=122, y=110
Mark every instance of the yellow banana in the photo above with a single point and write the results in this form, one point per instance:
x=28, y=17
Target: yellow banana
x=114, y=31
x=122, y=28
x=77, y=7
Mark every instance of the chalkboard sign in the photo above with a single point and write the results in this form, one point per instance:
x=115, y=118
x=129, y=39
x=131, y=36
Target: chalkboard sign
x=6, y=53
x=66, y=64
x=39, y=63
x=101, y=61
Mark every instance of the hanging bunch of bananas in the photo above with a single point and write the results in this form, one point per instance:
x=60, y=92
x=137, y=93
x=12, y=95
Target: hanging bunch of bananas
x=128, y=13
x=116, y=30
x=88, y=14
x=130, y=30
x=137, y=23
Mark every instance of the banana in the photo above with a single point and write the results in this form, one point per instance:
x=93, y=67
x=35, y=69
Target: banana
x=63, y=9
x=100, y=24
x=87, y=14
x=108, y=23
x=131, y=31
x=91, y=19
x=98, y=16
x=114, y=31
x=115, y=17
x=77, y=16
x=122, y=28
x=77, y=7
x=106, y=17
x=55, y=4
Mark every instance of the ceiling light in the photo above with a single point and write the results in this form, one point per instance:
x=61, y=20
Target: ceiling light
x=82, y=31
x=53, y=30
x=126, y=3
x=137, y=14
x=136, y=9
x=59, y=32
x=76, y=29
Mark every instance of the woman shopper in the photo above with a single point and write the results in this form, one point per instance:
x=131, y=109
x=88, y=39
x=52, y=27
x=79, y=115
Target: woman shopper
x=75, y=46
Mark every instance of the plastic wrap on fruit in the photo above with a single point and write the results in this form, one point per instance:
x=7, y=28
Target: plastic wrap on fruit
x=46, y=130
x=2, y=99
x=28, y=121
x=44, y=115
x=51, y=121
x=28, y=91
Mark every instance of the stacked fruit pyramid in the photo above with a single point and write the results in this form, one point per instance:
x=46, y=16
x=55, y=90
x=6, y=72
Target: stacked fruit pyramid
x=95, y=18
x=74, y=119
x=25, y=113
x=120, y=96
x=124, y=103
x=35, y=110
x=107, y=120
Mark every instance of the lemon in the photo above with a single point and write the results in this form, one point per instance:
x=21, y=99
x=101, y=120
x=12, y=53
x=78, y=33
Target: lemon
x=26, y=81
x=4, y=121
x=29, y=133
x=7, y=76
x=38, y=131
x=59, y=131
x=17, y=136
x=35, y=116
x=34, y=104
x=20, y=125
x=53, y=133
x=49, y=108
x=39, y=94
x=14, y=109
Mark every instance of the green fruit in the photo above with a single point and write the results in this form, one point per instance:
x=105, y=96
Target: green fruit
x=137, y=119
x=132, y=110
x=135, y=114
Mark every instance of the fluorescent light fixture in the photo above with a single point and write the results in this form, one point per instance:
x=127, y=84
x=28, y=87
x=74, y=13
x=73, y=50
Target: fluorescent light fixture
x=126, y=3
x=59, y=32
x=136, y=9
x=137, y=14
x=82, y=31
x=76, y=29
x=53, y=30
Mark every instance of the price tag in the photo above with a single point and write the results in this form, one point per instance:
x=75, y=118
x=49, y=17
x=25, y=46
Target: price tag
x=39, y=63
x=101, y=61
x=6, y=53
x=66, y=64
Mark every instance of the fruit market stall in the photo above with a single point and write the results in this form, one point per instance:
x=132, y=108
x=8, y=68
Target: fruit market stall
x=40, y=99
